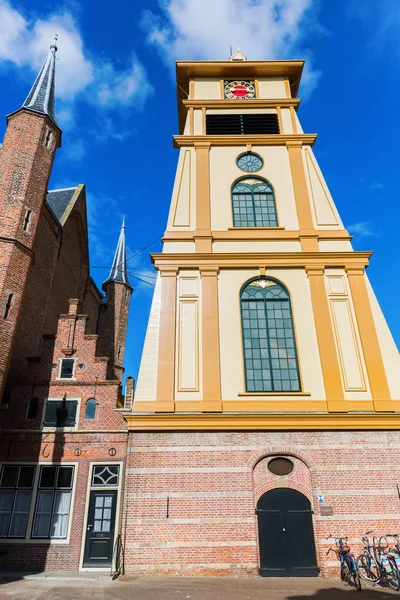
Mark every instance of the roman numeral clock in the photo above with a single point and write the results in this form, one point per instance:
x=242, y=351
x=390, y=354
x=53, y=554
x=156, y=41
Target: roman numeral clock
x=239, y=90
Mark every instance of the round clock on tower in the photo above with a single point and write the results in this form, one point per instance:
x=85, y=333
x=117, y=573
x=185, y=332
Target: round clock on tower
x=239, y=90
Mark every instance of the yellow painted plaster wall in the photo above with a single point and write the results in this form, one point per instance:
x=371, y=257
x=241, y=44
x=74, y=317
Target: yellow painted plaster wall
x=207, y=89
x=224, y=171
x=232, y=364
x=182, y=210
x=390, y=353
x=146, y=388
x=271, y=87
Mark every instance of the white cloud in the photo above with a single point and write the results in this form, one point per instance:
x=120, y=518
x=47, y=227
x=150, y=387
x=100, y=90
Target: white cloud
x=79, y=74
x=362, y=229
x=205, y=30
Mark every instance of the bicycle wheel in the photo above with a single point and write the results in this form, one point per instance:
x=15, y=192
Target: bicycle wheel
x=393, y=576
x=355, y=575
x=344, y=572
x=368, y=567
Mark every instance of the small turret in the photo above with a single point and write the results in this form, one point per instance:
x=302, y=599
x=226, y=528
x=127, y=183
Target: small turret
x=114, y=314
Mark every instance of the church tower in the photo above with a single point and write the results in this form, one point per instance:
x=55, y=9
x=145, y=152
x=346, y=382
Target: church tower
x=267, y=365
x=26, y=160
x=251, y=222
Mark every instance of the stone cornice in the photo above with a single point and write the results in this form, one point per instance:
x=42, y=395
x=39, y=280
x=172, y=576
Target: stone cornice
x=235, y=260
x=276, y=139
x=262, y=422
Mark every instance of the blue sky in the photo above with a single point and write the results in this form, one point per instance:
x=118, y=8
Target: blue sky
x=116, y=103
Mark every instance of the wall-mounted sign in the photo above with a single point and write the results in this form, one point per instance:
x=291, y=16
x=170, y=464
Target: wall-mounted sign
x=320, y=499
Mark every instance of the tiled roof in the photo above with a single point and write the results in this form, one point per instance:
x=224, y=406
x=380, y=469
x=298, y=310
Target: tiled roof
x=41, y=97
x=58, y=201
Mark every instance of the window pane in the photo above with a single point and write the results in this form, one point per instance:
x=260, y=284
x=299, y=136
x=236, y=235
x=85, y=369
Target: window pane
x=106, y=475
x=18, y=525
x=90, y=411
x=9, y=478
x=22, y=501
x=25, y=479
x=44, y=506
x=65, y=477
x=269, y=329
x=47, y=477
x=61, y=413
x=6, y=500
x=67, y=368
x=4, y=523
x=61, y=514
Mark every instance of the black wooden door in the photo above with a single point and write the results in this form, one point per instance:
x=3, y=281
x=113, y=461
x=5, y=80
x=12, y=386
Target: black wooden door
x=286, y=536
x=100, y=529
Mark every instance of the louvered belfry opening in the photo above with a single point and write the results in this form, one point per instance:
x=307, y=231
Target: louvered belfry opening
x=246, y=124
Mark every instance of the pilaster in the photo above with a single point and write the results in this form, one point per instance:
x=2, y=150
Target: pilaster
x=326, y=341
x=166, y=348
x=369, y=340
x=203, y=238
x=210, y=341
x=308, y=235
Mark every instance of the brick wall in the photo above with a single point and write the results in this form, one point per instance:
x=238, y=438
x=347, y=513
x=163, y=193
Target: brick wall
x=208, y=485
x=25, y=167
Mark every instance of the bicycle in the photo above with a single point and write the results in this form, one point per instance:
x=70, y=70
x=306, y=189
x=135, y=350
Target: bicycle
x=377, y=563
x=348, y=565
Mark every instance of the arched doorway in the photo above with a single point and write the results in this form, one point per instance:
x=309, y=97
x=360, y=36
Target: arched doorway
x=286, y=535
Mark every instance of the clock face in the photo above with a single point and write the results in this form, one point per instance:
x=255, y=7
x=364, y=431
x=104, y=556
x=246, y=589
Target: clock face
x=239, y=90
x=249, y=162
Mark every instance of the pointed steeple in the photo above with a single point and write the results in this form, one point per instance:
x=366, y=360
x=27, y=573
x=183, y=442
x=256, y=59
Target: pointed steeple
x=41, y=97
x=119, y=272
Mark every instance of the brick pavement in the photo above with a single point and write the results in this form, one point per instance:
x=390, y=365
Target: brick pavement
x=185, y=588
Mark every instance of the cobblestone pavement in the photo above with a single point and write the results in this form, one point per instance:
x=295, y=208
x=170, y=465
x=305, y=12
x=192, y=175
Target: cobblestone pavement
x=184, y=588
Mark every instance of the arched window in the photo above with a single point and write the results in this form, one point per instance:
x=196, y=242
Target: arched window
x=33, y=408
x=253, y=203
x=90, y=409
x=270, y=355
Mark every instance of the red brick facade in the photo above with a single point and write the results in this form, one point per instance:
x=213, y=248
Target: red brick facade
x=191, y=496
x=55, y=314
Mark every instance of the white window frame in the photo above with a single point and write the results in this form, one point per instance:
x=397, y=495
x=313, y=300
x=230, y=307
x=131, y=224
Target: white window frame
x=73, y=378
x=44, y=427
x=48, y=541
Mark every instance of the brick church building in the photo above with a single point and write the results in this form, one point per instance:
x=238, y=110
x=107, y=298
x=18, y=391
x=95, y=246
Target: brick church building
x=63, y=437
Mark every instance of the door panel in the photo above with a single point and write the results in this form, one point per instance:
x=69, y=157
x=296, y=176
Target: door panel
x=286, y=535
x=100, y=529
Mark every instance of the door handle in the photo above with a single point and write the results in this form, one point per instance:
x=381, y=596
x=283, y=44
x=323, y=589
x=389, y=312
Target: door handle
x=89, y=527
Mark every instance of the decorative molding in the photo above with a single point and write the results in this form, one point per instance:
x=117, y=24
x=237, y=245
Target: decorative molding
x=263, y=422
x=310, y=260
x=275, y=139
x=256, y=103
x=259, y=233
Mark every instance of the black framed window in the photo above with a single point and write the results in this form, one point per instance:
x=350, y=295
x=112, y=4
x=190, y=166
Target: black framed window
x=53, y=502
x=60, y=413
x=67, y=368
x=253, y=203
x=269, y=345
x=16, y=485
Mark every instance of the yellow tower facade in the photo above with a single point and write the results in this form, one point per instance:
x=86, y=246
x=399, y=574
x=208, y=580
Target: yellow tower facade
x=263, y=322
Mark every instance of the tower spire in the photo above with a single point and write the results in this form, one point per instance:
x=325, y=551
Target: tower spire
x=119, y=273
x=41, y=98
